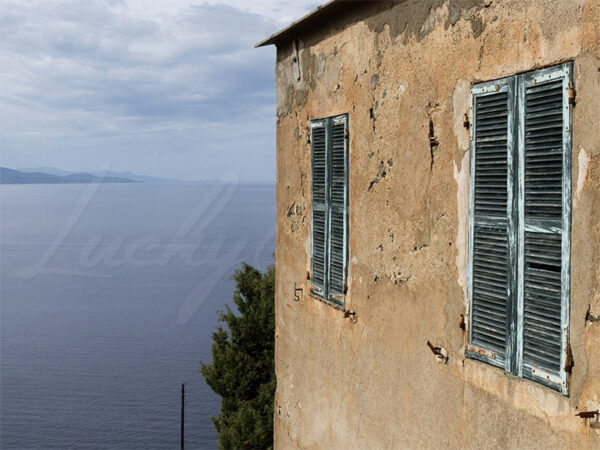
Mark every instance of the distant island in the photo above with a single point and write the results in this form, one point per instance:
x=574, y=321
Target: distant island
x=11, y=176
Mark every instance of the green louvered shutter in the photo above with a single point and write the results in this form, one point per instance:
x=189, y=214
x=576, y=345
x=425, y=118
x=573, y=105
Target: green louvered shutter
x=492, y=249
x=520, y=224
x=319, y=206
x=338, y=209
x=546, y=171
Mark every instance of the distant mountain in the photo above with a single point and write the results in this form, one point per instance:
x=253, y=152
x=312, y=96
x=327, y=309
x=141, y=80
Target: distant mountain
x=99, y=173
x=10, y=176
x=140, y=178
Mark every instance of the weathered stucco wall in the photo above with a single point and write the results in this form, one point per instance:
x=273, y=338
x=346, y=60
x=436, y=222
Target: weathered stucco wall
x=399, y=72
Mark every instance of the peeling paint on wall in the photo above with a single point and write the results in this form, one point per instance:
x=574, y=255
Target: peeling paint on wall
x=582, y=174
x=462, y=239
x=403, y=73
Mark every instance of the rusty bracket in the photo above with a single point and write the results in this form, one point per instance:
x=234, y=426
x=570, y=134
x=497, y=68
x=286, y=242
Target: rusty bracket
x=296, y=290
x=466, y=122
x=462, y=324
x=438, y=352
x=588, y=414
x=351, y=314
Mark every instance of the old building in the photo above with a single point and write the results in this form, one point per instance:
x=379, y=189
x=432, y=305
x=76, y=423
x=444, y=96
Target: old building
x=438, y=227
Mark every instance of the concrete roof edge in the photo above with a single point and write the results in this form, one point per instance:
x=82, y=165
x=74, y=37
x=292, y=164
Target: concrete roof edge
x=284, y=32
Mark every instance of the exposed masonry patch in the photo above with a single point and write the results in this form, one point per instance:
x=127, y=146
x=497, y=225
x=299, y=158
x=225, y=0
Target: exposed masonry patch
x=396, y=277
x=381, y=173
x=372, y=117
x=418, y=247
x=589, y=317
x=433, y=142
x=296, y=216
x=303, y=183
x=408, y=18
x=374, y=82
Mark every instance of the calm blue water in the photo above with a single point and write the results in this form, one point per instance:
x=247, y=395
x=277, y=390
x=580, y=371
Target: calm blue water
x=108, y=300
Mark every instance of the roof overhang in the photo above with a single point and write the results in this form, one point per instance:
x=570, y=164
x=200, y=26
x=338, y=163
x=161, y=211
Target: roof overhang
x=305, y=22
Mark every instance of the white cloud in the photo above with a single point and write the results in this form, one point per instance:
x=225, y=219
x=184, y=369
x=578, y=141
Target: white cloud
x=84, y=82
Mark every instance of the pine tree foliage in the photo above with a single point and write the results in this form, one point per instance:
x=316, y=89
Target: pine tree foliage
x=242, y=371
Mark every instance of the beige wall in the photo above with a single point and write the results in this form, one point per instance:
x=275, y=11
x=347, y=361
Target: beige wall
x=375, y=383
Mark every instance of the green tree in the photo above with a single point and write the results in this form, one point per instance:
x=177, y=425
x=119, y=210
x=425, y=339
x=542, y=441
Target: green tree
x=242, y=371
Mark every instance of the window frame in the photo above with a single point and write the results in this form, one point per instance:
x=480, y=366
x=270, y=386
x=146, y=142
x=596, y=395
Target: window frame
x=518, y=224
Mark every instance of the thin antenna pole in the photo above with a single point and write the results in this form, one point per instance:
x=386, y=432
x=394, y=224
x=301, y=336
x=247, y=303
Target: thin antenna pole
x=182, y=412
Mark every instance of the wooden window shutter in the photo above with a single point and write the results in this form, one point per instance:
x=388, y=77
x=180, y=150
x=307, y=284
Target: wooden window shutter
x=338, y=210
x=520, y=224
x=319, y=215
x=330, y=208
x=546, y=210
x=492, y=245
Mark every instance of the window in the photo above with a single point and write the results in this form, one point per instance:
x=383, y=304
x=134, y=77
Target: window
x=329, y=139
x=520, y=224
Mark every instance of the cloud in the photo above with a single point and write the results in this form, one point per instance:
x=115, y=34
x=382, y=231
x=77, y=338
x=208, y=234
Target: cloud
x=86, y=82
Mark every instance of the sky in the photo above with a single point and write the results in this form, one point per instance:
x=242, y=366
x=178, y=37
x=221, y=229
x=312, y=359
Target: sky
x=170, y=88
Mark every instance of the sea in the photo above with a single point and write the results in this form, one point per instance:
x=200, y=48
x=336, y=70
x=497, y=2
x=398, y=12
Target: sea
x=109, y=295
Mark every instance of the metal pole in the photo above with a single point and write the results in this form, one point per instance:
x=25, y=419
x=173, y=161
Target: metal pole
x=182, y=412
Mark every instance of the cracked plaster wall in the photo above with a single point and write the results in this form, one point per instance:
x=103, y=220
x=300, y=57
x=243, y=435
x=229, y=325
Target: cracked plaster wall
x=403, y=72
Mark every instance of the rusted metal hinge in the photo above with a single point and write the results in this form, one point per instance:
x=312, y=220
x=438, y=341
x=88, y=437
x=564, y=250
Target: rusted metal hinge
x=571, y=95
x=569, y=361
x=466, y=122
